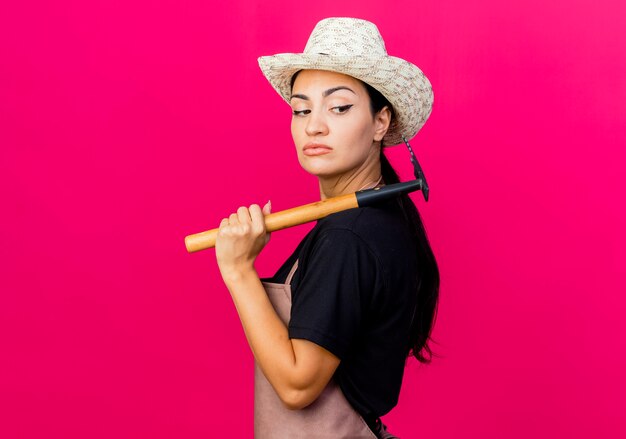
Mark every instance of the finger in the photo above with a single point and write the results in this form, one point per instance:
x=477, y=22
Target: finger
x=244, y=215
x=223, y=223
x=233, y=219
x=267, y=209
x=258, y=221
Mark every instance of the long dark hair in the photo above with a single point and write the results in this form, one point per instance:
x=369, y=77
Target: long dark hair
x=428, y=289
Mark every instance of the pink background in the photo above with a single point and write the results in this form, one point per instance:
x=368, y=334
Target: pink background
x=125, y=126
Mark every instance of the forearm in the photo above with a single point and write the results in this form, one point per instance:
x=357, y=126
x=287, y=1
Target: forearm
x=299, y=369
x=267, y=335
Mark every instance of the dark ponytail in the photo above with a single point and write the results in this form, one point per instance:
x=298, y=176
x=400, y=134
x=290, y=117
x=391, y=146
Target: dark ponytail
x=428, y=289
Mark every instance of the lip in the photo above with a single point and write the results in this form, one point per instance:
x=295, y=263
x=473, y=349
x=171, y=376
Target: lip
x=312, y=149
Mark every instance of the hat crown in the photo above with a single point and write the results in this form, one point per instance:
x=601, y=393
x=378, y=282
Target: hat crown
x=344, y=36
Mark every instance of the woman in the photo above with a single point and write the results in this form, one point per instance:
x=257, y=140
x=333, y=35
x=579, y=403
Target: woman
x=332, y=330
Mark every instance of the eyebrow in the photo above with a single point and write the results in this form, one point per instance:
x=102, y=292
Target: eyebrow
x=325, y=94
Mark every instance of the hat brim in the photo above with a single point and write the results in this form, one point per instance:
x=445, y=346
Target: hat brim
x=401, y=82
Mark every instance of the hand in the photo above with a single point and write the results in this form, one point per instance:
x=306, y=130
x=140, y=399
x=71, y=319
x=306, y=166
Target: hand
x=240, y=239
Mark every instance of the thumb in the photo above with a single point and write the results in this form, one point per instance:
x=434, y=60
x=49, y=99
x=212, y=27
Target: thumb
x=267, y=209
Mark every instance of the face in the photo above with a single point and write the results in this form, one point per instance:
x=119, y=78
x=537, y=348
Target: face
x=332, y=124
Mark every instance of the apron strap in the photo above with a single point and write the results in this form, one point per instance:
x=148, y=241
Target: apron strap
x=291, y=273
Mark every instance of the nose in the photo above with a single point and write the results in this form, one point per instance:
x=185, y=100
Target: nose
x=316, y=124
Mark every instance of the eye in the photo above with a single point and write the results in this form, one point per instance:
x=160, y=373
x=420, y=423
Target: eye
x=300, y=112
x=342, y=109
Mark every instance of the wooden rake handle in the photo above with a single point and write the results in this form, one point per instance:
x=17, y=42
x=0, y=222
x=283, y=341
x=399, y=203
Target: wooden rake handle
x=281, y=220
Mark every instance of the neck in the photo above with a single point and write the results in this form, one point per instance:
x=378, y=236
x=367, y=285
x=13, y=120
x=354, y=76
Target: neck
x=350, y=182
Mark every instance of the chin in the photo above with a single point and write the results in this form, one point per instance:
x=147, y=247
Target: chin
x=319, y=168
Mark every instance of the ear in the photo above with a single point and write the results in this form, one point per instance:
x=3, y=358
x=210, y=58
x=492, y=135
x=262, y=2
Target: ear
x=382, y=120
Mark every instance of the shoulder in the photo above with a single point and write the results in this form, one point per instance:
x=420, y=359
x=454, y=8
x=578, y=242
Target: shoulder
x=369, y=224
x=375, y=236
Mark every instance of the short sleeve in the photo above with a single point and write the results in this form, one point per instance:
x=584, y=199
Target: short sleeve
x=334, y=290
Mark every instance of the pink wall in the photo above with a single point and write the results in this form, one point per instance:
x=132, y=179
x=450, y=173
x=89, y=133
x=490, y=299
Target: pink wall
x=125, y=126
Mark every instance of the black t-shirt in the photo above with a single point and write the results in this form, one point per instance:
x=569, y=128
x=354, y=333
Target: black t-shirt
x=354, y=294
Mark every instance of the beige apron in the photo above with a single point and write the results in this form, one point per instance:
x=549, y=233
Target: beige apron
x=329, y=416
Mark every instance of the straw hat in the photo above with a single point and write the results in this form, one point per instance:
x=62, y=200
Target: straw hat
x=355, y=47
